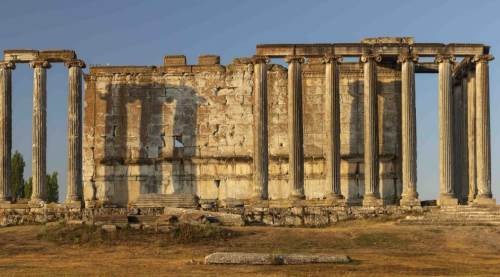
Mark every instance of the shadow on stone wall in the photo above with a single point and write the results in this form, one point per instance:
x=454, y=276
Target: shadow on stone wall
x=141, y=141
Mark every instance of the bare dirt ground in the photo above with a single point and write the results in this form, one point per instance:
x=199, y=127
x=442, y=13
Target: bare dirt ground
x=377, y=248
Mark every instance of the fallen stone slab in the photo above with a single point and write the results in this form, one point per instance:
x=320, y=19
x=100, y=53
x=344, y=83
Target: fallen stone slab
x=272, y=259
x=191, y=215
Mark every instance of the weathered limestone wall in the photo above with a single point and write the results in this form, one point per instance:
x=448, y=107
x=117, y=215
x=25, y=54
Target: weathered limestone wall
x=135, y=115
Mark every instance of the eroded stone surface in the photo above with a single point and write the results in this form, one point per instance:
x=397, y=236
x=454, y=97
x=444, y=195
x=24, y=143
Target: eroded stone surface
x=271, y=259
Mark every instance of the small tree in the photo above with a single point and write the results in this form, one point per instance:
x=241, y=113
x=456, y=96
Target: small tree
x=17, y=175
x=52, y=188
x=28, y=187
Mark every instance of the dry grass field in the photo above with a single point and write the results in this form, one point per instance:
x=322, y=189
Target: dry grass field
x=377, y=248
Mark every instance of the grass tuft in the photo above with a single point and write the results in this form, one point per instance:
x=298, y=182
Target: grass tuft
x=93, y=235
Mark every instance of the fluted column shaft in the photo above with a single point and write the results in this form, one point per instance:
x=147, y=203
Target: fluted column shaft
x=39, y=136
x=464, y=174
x=371, y=163
x=5, y=130
x=447, y=196
x=483, y=146
x=408, y=132
x=332, y=126
x=260, y=150
x=295, y=128
x=471, y=134
x=74, y=177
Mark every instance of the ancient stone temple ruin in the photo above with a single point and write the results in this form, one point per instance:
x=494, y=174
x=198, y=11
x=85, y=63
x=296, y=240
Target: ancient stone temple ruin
x=293, y=125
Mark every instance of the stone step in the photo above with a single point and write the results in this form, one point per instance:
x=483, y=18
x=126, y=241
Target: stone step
x=462, y=216
x=166, y=200
x=448, y=222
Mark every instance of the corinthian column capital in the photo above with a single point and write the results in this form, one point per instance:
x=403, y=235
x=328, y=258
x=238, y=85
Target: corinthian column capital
x=75, y=63
x=367, y=57
x=7, y=65
x=444, y=58
x=331, y=59
x=40, y=63
x=296, y=59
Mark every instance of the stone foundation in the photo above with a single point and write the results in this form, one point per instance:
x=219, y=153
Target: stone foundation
x=274, y=215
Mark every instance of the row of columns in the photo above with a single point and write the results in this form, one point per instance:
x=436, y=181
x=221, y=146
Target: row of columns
x=39, y=131
x=478, y=136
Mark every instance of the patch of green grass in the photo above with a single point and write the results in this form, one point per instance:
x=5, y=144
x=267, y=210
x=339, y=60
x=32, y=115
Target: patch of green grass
x=383, y=240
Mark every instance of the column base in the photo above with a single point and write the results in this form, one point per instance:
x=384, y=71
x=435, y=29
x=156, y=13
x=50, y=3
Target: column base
x=447, y=200
x=256, y=201
x=4, y=203
x=485, y=201
x=354, y=201
x=36, y=203
x=371, y=200
x=73, y=203
x=409, y=201
x=6, y=200
x=335, y=199
x=296, y=197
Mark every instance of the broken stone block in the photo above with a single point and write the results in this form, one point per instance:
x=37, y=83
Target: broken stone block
x=208, y=59
x=109, y=228
x=170, y=60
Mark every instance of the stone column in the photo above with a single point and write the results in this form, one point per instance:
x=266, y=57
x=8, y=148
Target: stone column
x=332, y=127
x=5, y=130
x=295, y=128
x=483, y=147
x=408, y=131
x=447, y=195
x=463, y=139
x=471, y=134
x=260, y=145
x=74, y=178
x=371, y=162
x=39, y=136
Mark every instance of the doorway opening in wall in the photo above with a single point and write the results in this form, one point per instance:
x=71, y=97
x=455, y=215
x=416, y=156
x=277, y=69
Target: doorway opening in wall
x=426, y=85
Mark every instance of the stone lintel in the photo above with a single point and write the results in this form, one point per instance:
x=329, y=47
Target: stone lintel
x=28, y=55
x=20, y=55
x=358, y=49
x=57, y=55
x=426, y=67
x=208, y=60
x=174, y=60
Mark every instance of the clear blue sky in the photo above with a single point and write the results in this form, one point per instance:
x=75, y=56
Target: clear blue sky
x=141, y=32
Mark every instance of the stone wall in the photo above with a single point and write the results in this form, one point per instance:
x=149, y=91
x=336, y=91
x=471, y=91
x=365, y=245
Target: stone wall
x=188, y=129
